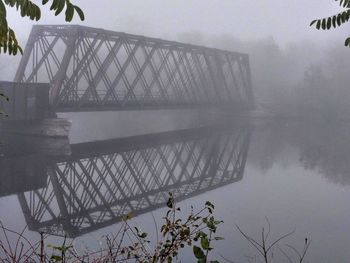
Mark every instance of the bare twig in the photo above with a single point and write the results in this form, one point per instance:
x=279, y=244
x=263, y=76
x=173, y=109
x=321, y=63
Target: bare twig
x=285, y=254
x=265, y=246
x=156, y=227
x=301, y=255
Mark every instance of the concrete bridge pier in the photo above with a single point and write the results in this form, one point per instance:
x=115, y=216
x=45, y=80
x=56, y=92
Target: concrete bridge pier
x=27, y=111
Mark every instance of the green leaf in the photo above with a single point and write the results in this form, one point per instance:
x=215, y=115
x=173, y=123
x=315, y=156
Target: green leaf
x=205, y=243
x=334, y=21
x=143, y=235
x=54, y=4
x=344, y=17
x=313, y=22
x=339, y=22
x=56, y=258
x=4, y=96
x=69, y=12
x=198, y=252
x=347, y=42
x=15, y=49
x=218, y=222
x=80, y=12
x=218, y=238
x=329, y=23
x=344, y=3
x=37, y=14
x=60, y=7
x=208, y=204
x=170, y=202
x=318, y=25
x=23, y=10
x=10, y=47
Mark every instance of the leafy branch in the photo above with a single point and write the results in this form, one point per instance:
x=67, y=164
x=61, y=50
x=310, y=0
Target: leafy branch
x=8, y=41
x=129, y=244
x=336, y=20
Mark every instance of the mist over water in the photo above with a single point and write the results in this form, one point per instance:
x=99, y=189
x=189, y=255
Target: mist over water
x=87, y=125
x=285, y=164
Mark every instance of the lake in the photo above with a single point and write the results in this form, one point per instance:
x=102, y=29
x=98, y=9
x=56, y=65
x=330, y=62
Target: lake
x=294, y=175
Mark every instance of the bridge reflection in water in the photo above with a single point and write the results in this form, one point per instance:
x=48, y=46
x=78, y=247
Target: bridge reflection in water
x=100, y=182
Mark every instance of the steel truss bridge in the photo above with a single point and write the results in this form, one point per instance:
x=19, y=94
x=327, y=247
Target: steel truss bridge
x=93, y=69
x=103, y=181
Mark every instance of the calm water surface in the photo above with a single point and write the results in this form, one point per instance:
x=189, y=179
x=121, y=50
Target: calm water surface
x=297, y=175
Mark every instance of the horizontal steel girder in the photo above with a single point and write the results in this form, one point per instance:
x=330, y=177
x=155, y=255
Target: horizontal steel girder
x=96, y=69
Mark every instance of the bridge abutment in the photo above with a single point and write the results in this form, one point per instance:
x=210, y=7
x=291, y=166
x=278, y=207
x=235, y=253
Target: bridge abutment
x=26, y=110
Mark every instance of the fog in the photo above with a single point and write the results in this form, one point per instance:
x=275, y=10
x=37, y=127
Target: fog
x=286, y=21
x=288, y=157
x=288, y=58
x=298, y=80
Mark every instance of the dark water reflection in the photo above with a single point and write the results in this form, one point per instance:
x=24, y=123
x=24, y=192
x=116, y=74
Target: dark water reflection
x=295, y=174
x=321, y=148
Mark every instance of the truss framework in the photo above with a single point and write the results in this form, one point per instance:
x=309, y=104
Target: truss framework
x=96, y=69
x=90, y=191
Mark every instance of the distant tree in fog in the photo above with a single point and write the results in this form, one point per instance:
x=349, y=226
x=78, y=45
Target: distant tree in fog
x=8, y=40
x=314, y=96
x=336, y=20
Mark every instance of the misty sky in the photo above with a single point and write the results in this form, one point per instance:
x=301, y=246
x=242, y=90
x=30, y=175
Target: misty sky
x=285, y=21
